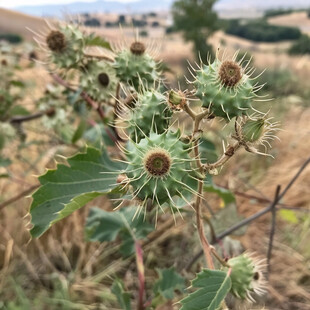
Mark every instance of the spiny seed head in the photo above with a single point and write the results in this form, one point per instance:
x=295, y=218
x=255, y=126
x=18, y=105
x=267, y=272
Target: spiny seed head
x=253, y=129
x=137, y=48
x=103, y=79
x=160, y=168
x=230, y=73
x=246, y=276
x=157, y=162
x=176, y=100
x=56, y=41
x=4, y=62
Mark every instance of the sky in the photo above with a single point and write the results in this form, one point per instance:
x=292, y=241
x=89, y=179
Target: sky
x=15, y=3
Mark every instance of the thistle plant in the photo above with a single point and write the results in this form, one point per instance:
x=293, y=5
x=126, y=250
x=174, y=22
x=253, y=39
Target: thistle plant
x=156, y=166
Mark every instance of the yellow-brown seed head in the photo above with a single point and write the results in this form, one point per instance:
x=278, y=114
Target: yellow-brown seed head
x=157, y=162
x=137, y=48
x=56, y=41
x=230, y=73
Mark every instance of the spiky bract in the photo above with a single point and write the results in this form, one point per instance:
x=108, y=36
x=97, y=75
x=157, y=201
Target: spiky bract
x=246, y=277
x=160, y=168
x=150, y=113
x=136, y=69
x=99, y=80
x=224, y=88
x=66, y=46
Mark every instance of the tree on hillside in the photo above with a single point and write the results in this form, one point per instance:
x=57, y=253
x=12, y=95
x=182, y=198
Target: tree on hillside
x=197, y=20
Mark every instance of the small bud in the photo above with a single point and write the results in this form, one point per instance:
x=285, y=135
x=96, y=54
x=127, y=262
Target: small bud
x=103, y=79
x=121, y=178
x=176, y=100
x=246, y=277
x=137, y=48
x=4, y=62
x=253, y=130
x=56, y=41
x=50, y=112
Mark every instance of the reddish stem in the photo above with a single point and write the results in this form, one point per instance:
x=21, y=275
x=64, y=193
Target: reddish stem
x=141, y=277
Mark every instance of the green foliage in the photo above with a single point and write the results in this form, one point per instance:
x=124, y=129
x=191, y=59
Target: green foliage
x=69, y=188
x=261, y=31
x=197, y=20
x=94, y=40
x=279, y=82
x=301, y=46
x=289, y=216
x=123, y=297
x=213, y=286
x=227, y=196
x=103, y=226
x=278, y=12
x=168, y=282
x=11, y=38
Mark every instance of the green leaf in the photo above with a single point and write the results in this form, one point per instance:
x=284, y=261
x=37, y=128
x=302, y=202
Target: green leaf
x=79, y=131
x=103, y=226
x=169, y=281
x=68, y=188
x=4, y=162
x=98, y=41
x=213, y=286
x=289, y=216
x=17, y=83
x=227, y=196
x=97, y=135
x=208, y=150
x=122, y=296
x=19, y=110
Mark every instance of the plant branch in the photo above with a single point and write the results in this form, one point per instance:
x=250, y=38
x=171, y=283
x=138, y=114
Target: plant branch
x=255, y=216
x=231, y=150
x=273, y=229
x=18, y=196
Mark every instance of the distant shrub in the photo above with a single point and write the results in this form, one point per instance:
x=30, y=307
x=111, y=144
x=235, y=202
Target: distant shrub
x=155, y=24
x=92, y=22
x=261, y=31
x=277, y=12
x=143, y=33
x=279, y=82
x=122, y=19
x=11, y=38
x=138, y=23
x=301, y=46
x=170, y=29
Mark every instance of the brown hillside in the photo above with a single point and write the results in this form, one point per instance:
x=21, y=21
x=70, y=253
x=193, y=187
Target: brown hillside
x=15, y=22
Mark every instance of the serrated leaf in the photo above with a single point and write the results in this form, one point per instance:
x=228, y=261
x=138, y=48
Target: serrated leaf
x=122, y=296
x=103, y=226
x=213, y=286
x=289, y=216
x=169, y=281
x=68, y=188
x=98, y=41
